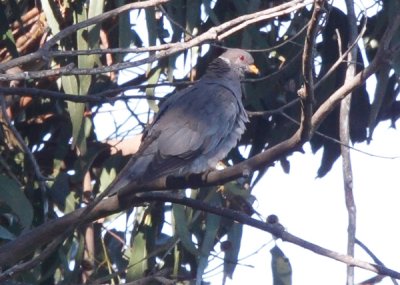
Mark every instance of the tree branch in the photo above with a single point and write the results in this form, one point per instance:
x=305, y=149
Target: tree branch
x=214, y=33
x=307, y=92
x=344, y=134
x=111, y=205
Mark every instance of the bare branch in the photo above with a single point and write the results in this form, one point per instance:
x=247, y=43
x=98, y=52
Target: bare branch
x=329, y=138
x=344, y=134
x=307, y=92
x=375, y=259
x=274, y=111
x=93, y=98
x=111, y=205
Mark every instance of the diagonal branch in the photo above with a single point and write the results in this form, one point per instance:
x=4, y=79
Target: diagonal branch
x=214, y=33
x=111, y=205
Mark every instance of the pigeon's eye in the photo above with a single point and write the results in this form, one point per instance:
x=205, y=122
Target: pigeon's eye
x=241, y=57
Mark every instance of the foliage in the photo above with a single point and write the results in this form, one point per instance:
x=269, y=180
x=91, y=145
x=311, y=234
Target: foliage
x=61, y=134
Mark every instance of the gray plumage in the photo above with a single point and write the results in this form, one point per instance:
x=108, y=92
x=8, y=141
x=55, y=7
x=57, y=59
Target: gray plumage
x=196, y=127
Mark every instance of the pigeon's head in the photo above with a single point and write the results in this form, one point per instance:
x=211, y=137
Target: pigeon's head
x=239, y=60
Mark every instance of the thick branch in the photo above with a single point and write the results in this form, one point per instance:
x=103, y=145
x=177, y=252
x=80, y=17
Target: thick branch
x=111, y=205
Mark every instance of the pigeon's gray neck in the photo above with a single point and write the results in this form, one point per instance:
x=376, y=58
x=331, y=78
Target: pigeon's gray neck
x=221, y=67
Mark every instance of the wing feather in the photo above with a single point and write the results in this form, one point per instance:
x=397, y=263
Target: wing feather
x=194, y=129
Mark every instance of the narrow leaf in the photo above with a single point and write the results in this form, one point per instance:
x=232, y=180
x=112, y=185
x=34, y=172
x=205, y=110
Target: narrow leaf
x=15, y=199
x=182, y=230
x=150, y=91
x=212, y=226
x=231, y=254
x=50, y=17
x=281, y=268
x=137, y=258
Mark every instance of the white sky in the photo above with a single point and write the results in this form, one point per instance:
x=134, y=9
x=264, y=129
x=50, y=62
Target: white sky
x=314, y=209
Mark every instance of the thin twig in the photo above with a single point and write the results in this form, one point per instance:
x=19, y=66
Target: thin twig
x=274, y=111
x=329, y=138
x=93, y=98
x=344, y=134
x=283, y=43
x=306, y=93
x=373, y=256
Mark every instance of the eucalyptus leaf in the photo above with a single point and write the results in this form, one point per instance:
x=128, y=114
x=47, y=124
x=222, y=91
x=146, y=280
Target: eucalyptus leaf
x=182, y=230
x=211, y=228
x=137, y=258
x=50, y=17
x=281, y=268
x=12, y=196
x=231, y=254
x=150, y=91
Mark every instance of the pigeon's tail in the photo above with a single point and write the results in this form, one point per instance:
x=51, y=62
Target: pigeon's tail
x=133, y=171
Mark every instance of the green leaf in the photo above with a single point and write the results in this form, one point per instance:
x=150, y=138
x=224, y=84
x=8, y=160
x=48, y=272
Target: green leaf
x=150, y=91
x=211, y=229
x=75, y=111
x=151, y=23
x=231, y=254
x=71, y=202
x=50, y=17
x=193, y=15
x=106, y=177
x=126, y=35
x=60, y=190
x=281, y=268
x=381, y=86
x=69, y=84
x=182, y=230
x=15, y=199
x=210, y=12
x=137, y=258
x=86, y=61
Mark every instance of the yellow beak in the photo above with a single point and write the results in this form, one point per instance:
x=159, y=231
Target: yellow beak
x=253, y=69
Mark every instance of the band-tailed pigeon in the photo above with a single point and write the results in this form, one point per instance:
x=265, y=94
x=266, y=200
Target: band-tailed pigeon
x=196, y=127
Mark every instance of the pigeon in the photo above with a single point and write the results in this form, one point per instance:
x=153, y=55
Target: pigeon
x=196, y=127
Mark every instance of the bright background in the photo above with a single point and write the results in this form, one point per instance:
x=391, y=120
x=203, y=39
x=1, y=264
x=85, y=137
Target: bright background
x=314, y=209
